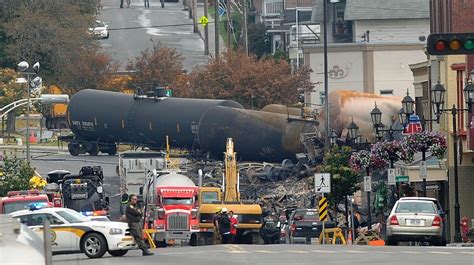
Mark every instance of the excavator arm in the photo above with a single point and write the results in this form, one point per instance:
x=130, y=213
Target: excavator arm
x=231, y=177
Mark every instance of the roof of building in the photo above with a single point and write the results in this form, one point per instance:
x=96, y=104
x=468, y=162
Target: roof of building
x=386, y=9
x=377, y=9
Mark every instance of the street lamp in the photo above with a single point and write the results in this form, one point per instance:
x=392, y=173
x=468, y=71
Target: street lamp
x=353, y=130
x=24, y=68
x=325, y=51
x=438, y=92
x=376, y=116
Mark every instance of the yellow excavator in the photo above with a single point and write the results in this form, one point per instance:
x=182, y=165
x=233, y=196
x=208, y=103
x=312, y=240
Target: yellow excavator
x=212, y=199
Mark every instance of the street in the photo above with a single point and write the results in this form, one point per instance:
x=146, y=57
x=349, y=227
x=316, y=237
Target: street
x=286, y=254
x=125, y=44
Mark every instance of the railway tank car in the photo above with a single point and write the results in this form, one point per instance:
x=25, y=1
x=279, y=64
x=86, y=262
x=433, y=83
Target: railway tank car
x=101, y=119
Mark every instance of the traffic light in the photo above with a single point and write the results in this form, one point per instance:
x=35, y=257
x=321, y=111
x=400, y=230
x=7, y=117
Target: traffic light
x=451, y=43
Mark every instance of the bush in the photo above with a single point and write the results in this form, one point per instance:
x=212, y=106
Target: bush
x=17, y=173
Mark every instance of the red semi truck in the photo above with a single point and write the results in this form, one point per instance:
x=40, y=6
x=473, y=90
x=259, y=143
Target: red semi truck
x=19, y=200
x=172, y=207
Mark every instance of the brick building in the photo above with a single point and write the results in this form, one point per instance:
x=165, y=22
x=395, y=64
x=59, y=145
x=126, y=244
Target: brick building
x=453, y=72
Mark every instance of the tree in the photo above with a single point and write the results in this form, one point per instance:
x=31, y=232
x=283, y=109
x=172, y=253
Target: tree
x=253, y=83
x=34, y=33
x=158, y=66
x=10, y=91
x=17, y=173
x=343, y=177
x=258, y=40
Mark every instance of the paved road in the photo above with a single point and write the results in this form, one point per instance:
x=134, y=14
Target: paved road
x=125, y=44
x=287, y=254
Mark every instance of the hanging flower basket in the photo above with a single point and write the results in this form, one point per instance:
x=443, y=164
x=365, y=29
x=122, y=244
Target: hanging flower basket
x=360, y=160
x=433, y=142
x=386, y=151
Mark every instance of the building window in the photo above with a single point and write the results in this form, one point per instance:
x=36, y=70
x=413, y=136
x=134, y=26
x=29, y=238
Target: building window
x=386, y=92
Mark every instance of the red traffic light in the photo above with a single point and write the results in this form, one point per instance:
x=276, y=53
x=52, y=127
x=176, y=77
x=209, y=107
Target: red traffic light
x=450, y=43
x=440, y=45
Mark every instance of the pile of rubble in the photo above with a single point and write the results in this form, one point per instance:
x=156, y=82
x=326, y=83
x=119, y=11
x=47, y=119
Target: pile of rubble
x=275, y=187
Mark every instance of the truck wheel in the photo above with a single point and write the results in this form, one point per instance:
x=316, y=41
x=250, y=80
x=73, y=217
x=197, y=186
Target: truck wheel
x=73, y=149
x=112, y=150
x=118, y=253
x=92, y=149
x=94, y=245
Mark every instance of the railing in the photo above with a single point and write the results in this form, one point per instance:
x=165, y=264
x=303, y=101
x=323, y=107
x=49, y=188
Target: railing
x=272, y=8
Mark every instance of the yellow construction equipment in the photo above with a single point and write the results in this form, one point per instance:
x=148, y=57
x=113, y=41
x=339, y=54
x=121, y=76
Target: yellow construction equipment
x=211, y=199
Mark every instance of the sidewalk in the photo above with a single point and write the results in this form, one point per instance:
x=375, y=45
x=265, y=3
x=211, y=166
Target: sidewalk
x=211, y=26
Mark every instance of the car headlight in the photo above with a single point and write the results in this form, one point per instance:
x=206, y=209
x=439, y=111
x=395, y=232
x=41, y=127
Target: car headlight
x=115, y=231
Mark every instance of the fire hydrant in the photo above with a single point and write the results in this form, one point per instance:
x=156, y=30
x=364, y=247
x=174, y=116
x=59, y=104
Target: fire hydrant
x=464, y=228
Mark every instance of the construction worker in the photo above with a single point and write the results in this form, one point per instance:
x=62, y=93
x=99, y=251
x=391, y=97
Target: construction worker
x=134, y=215
x=224, y=226
x=215, y=222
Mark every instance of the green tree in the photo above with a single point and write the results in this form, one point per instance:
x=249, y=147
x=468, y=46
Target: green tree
x=259, y=43
x=17, y=173
x=343, y=177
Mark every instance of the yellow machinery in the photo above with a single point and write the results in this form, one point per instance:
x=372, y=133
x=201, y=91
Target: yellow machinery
x=211, y=199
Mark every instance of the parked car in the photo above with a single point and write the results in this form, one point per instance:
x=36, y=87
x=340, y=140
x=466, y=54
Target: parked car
x=304, y=224
x=100, y=29
x=72, y=232
x=439, y=208
x=415, y=220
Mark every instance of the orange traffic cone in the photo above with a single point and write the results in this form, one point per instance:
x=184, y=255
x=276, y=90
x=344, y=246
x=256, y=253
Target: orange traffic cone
x=349, y=238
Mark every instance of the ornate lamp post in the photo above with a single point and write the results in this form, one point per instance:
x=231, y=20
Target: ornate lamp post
x=438, y=92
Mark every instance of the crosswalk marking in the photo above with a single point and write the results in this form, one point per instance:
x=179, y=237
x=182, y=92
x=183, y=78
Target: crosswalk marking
x=356, y=251
x=323, y=251
x=265, y=251
x=440, y=252
x=237, y=251
x=470, y=253
x=297, y=251
x=410, y=252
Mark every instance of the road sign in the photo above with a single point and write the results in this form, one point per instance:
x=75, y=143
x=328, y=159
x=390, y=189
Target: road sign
x=323, y=209
x=367, y=183
x=203, y=20
x=399, y=179
x=414, y=125
x=322, y=182
x=391, y=176
x=423, y=173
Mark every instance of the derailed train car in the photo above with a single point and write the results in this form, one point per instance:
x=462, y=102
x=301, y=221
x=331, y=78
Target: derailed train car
x=100, y=120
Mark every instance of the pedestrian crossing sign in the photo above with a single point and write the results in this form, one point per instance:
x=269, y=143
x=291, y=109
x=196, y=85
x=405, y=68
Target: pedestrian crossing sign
x=322, y=182
x=204, y=20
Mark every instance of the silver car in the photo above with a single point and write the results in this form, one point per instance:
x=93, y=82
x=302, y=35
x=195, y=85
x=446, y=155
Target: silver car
x=414, y=220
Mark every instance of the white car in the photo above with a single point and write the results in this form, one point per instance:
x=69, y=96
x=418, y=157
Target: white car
x=100, y=29
x=72, y=232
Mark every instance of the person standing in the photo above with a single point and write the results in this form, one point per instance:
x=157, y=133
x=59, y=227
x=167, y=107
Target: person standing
x=134, y=215
x=224, y=226
x=147, y=3
x=215, y=222
x=233, y=226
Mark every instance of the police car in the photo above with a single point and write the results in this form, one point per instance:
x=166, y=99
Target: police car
x=71, y=232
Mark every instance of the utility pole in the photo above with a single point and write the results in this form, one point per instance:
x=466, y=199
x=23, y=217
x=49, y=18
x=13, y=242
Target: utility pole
x=216, y=29
x=195, y=24
x=246, y=37
x=206, y=29
x=229, y=20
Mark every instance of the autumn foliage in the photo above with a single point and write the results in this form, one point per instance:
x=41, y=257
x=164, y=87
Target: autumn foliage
x=253, y=83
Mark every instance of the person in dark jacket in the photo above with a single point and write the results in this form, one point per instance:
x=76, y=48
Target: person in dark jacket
x=134, y=215
x=224, y=226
